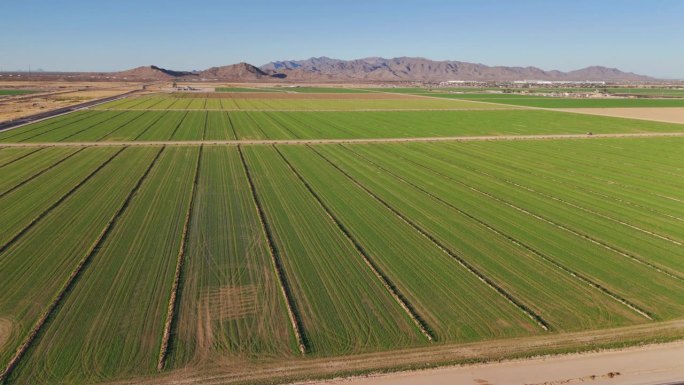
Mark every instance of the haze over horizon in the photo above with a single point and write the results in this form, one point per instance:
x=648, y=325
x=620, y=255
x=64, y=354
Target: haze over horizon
x=75, y=35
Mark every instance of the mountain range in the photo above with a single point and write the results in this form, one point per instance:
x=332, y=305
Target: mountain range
x=376, y=69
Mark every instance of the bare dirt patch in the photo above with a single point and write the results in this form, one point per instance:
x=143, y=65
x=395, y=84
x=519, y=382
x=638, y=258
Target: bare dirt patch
x=56, y=95
x=231, y=302
x=660, y=114
x=5, y=331
x=295, y=96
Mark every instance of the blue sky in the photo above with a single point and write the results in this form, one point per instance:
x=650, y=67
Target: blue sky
x=640, y=36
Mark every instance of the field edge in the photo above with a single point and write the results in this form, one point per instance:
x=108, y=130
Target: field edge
x=422, y=358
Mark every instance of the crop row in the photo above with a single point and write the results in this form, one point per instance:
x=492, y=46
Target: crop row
x=48, y=254
x=273, y=104
x=123, y=293
x=559, y=102
x=212, y=125
x=580, y=244
x=316, y=90
x=340, y=248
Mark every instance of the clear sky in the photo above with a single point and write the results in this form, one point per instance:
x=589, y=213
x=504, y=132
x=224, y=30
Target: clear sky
x=645, y=36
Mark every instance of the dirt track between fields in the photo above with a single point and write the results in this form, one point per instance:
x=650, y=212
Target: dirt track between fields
x=232, y=370
x=349, y=141
x=657, y=364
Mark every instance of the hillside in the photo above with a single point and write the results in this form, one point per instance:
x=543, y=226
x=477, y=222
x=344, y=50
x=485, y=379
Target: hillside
x=152, y=73
x=421, y=69
x=240, y=71
x=324, y=69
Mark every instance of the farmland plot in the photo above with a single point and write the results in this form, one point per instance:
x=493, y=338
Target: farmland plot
x=663, y=183
x=342, y=306
x=454, y=303
x=11, y=155
x=219, y=126
x=656, y=242
x=25, y=205
x=312, y=103
x=163, y=128
x=213, y=104
x=79, y=132
x=558, y=102
x=48, y=254
x=566, y=302
x=23, y=170
x=133, y=129
x=658, y=295
x=231, y=304
x=193, y=127
x=17, y=133
x=197, y=104
x=111, y=325
x=632, y=196
x=28, y=132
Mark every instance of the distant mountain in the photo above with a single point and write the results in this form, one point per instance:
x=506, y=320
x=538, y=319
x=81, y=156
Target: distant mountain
x=421, y=69
x=377, y=69
x=240, y=71
x=152, y=73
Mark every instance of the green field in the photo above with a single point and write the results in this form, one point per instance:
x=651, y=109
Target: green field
x=315, y=90
x=501, y=91
x=220, y=262
x=16, y=92
x=649, y=91
x=274, y=104
x=245, y=89
x=112, y=126
x=559, y=102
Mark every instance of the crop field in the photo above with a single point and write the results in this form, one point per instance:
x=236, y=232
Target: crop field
x=558, y=102
x=16, y=92
x=315, y=90
x=245, y=89
x=654, y=91
x=258, y=101
x=166, y=238
x=494, y=92
x=193, y=125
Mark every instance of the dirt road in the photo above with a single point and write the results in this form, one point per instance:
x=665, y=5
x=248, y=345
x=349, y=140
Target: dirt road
x=657, y=364
x=338, y=141
x=234, y=370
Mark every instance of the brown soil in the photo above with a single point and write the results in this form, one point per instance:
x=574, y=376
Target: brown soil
x=56, y=95
x=295, y=96
x=231, y=302
x=660, y=114
x=5, y=331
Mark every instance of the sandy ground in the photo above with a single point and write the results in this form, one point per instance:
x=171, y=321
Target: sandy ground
x=660, y=114
x=56, y=95
x=338, y=141
x=657, y=364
